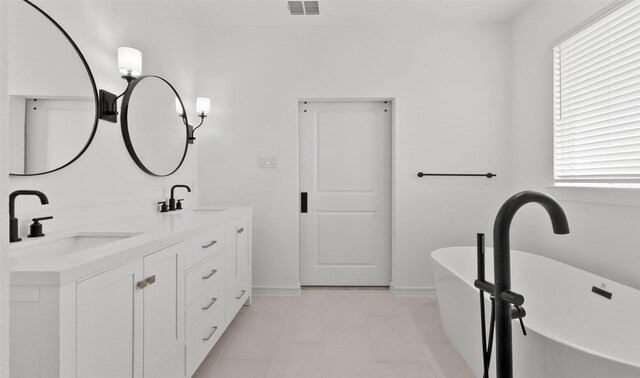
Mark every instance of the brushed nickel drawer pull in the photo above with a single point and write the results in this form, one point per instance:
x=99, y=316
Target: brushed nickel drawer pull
x=210, y=274
x=142, y=284
x=240, y=230
x=146, y=282
x=213, y=242
x=241, y=294
x=213, y=300
x=215, y=328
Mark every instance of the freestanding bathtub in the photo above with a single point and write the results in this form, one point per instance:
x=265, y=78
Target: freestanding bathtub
x=571, y=331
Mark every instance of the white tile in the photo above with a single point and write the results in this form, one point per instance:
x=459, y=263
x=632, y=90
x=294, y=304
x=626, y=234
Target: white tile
x=270, y=304
x=379, y=302
x=352, y=294
x=303, y=323
x=446, y=362
x=296, y=360
x=255, y=338
x=239, y=369
x=347, y=353
x=425, y=317
x=311, y=296
x=344, y=311
x=337, y=339
x=407, y=302
x=393, y=339
x=235, y=323
x=404, y=370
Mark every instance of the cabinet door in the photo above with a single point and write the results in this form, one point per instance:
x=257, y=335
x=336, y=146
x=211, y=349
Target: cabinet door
x=109, y=324
x=230, y=251
x=163, y=339
x=242, y=247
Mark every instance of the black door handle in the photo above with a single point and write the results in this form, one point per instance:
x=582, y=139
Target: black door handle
x=303, y=202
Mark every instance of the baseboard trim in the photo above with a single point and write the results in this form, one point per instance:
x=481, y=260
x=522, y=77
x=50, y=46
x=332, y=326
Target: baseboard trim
x=398, y=291
x=347, y=287
x=275, y=290
x=406, y=291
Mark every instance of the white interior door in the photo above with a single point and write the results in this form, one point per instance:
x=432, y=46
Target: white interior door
x=345, y=171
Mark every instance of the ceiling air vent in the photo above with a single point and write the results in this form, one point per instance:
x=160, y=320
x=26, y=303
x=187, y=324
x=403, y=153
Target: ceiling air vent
x=301, y=8
x=296, y=8
x=311, y=8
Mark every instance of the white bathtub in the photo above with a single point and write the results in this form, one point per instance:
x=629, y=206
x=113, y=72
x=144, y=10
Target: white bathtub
x=572, y=332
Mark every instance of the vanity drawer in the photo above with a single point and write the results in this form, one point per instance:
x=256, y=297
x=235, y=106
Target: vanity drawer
x=237, y=295
x=203, y=307
x=202, y=277
x=203, y=246
x=200, y=344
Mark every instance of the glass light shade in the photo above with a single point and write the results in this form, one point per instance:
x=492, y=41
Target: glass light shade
x=129, y=61
x=203, y=106
x=178, y=107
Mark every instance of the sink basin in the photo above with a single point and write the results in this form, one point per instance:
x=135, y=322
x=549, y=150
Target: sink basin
x=209, y=210
x=71, y=244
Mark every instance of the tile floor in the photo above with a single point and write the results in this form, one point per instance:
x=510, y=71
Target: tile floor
x=335, y=333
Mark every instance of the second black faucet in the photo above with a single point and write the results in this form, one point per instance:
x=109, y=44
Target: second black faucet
x=172, y=200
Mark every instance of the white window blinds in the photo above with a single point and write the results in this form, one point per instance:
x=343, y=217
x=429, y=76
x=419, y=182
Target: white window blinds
x=597, y=101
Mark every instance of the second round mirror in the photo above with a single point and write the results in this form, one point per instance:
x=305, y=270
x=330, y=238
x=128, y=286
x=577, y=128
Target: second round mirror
x=155, y=136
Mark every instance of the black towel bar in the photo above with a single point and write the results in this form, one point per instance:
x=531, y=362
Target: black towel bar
x=487, y=175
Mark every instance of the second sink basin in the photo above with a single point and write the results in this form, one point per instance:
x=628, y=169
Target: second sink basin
x=71, y=244
x=205, y=210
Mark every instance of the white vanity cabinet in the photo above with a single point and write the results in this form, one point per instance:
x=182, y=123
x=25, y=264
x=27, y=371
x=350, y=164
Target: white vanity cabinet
x=109, y=324
x=216, y=287
x=156, y=315
x=238, y=265
x=128, y=320
x=162, y=325
x=205, y=319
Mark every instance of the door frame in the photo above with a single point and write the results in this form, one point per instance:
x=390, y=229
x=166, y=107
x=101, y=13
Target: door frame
x=393, y=101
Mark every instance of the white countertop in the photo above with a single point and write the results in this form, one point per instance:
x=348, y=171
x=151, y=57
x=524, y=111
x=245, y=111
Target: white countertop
x=155, y=232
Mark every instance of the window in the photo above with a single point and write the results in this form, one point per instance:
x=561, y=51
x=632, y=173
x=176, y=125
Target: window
x=597, y=101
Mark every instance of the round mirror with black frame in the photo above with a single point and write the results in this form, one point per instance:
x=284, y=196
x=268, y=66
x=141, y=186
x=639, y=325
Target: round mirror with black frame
x=53, y=99
x=156, y=138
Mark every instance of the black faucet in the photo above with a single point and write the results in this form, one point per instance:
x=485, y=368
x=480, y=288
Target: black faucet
x=172, y=200
x=504, y=297
x=13, y=221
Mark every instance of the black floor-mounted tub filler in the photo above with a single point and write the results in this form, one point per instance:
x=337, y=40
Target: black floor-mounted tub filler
x=506, y=305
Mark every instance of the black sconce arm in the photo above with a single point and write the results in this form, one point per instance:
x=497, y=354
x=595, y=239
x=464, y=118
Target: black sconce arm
x=108, y=101
x=113, y=104
x=201, y=122
x=191, y=128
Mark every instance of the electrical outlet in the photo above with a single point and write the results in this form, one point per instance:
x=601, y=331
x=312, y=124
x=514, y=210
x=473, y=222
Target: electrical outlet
x=268, y=162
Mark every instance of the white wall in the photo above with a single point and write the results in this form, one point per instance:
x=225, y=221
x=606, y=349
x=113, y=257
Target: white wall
x=4, y=222
x=451, y=85
x=605, y=224
x=105, y=183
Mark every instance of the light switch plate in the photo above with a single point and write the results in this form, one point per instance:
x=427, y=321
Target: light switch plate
x=268, y=162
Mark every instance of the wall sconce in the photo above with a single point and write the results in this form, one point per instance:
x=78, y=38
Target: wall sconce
x=203, y=107
x=130, y=66
x=129, y=62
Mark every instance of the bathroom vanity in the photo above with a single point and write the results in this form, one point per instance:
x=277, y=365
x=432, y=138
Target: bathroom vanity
x=138, y=297
x=141, y=297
